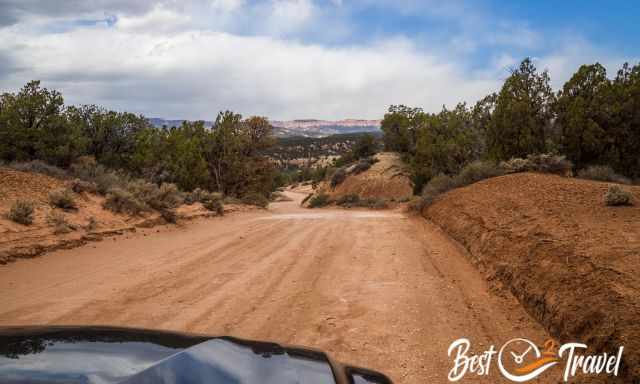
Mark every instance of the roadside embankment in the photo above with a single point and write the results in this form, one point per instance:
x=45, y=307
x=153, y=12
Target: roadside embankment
x=572, y=261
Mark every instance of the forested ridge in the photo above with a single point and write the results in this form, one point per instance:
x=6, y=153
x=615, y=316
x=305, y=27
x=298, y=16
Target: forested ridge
x=35, y=124
x=592, y=120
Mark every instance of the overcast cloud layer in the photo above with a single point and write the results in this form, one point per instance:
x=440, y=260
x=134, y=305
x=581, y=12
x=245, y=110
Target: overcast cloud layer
x=277, y=58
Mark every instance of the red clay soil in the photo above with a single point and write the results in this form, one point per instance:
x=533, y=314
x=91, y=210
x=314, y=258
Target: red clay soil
x=572, y=261
x=387, y=179
x=20, y=241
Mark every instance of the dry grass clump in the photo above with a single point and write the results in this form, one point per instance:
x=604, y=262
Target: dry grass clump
x=62, y=198
x=350, y=200
x=86, y=168
x=616, y=196
x=602, y=173
x=476, y=171
x=194, y=196
x=544, y=162
x=92, y=224
x=59, y=222
x=256, y=199
x=212, y=201
x=374, y=203
x=353, y=200
x=319, y=201
x=169, y=215
x=363, y=165
x=338, y=177
x=167, y=196
x=21, y=212
x=80, y=186
x=121, y=201
x=39, y=166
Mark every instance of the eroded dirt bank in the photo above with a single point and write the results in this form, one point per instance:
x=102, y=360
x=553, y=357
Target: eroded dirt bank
x=573, y=262
x=373, y=288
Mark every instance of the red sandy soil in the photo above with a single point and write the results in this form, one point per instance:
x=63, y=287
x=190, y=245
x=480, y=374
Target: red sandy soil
x=378, y=289
x=572, y=261
x=21, y=241
x=386, y=179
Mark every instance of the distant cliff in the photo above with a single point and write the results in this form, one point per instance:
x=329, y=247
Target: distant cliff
x=305, y=128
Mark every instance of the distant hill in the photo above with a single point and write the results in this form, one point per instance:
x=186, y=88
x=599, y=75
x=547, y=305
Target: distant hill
x=303, y=128
x=323, y=128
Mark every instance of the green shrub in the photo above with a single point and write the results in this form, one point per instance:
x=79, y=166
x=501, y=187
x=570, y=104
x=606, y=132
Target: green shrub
x=417, y=203
x=338, y=177
x=80, y=186
x=550, y=163
x=476, y=171
x=231, y=200
x=107, y=180
x=142, y=190
x=436, y=186
x=84, y=167
x=212, y=201
x=602, y=173
x=617, y=196
x=166, y=197
x=545, y=163
x=351, y=200
x=256, y=199
x=471, y=173
x=318, y=201
x=59, y=222
x=361, y=166
x=38, y=166
x=120, y=201
x=515, y=165
x=194, y=196
x=62, y=198
x=21, y=212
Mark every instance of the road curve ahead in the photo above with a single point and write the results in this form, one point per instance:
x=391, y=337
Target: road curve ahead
x=378, y=289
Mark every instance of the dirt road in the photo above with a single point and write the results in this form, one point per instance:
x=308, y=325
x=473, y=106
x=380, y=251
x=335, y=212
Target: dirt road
x=374, y=288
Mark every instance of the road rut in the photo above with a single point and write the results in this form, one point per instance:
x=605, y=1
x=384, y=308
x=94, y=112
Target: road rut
x=380, y=289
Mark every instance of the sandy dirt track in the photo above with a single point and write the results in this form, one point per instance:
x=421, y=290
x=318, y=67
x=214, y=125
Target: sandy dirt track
x=378, y=289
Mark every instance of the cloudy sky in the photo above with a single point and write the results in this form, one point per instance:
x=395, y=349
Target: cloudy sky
x=290, y=59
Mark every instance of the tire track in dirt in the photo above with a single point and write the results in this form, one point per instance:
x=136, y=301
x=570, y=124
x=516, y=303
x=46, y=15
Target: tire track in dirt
x=373, y=288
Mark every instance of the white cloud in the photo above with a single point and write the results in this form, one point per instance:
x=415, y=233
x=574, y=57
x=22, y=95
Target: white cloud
x=195, y=74
x=189, y=59
x=284, y=16
x=160, y=19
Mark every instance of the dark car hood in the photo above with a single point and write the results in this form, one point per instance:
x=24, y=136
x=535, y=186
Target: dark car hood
x=105, y=355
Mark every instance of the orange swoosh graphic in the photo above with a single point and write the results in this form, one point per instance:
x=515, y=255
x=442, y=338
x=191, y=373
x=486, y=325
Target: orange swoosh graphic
x=536, y=364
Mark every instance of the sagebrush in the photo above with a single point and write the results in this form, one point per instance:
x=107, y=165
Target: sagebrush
x=616, y=196
x=602, y=173
x=62, y=198
x=21, y=212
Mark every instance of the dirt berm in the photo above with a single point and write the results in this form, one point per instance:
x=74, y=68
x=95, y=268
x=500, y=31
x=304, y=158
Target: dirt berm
x=19, y=241
x=388, y=178
x=573, y=262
